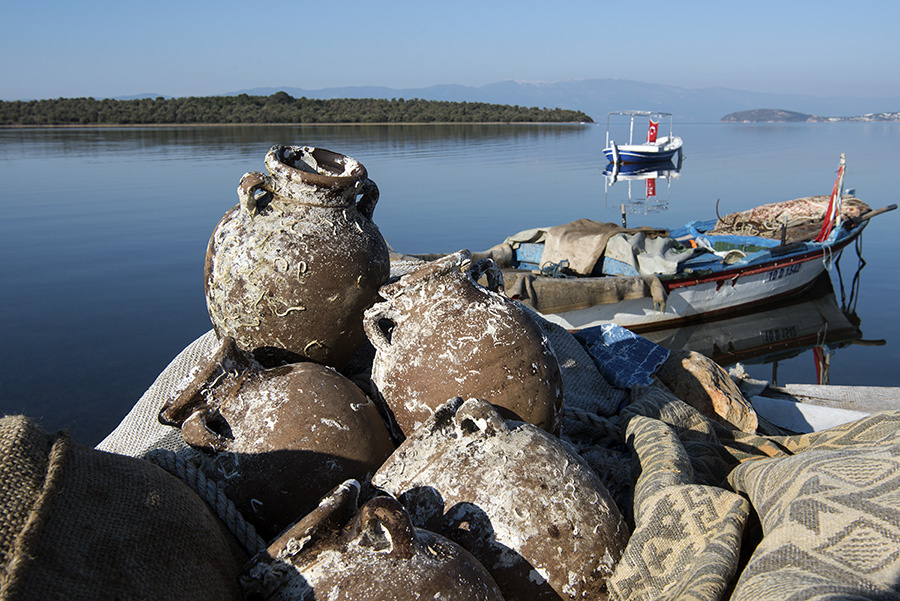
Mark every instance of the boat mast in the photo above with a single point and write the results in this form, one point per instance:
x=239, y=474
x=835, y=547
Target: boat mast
x=607, y=129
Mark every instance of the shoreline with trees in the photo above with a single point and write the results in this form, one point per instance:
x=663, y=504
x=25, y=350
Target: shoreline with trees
x=278, y=109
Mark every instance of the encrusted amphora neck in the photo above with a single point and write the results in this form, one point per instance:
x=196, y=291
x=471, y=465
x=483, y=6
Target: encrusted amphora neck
x=314, y=176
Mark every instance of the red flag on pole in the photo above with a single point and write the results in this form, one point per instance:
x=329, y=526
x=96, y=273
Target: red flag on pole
x=834, y=205
x=651, y=133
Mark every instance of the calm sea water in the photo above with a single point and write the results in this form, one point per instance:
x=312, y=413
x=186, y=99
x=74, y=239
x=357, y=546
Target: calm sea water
x=103, y=233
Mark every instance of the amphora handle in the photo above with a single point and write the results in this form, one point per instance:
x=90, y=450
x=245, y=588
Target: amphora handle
x=250, y=184
x=197, y=433
x=366, y=204
x=385, y=525
x=488, y=267
x=190, y=409
x=372, y=324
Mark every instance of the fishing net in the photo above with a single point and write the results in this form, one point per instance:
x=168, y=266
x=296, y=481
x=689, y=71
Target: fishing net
x=799, y=219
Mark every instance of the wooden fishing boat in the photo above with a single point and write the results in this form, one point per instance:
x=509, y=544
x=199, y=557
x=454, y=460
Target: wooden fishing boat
x=655, y=149
x=583, y=274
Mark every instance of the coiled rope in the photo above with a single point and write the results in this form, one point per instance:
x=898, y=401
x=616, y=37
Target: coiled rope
x=555, y=270
x=188, y=470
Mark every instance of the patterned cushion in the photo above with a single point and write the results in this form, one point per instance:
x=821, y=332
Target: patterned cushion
x=830, y=517
x=828, y=505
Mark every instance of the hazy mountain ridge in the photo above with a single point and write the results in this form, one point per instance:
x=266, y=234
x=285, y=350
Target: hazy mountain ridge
x=782, y=116
x=596, y=97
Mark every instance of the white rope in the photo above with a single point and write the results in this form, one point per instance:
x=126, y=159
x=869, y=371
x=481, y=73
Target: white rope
x=828, y=258
x=211, y=492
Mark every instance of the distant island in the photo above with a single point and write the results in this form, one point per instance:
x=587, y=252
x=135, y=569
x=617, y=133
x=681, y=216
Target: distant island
x=279, y=107
x=782, y=116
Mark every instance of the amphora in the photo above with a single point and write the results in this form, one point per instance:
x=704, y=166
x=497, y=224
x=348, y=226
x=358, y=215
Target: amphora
x=340, y=554
x=524, y=504
x=291, y=268
x=280, y=438
x=440, y=334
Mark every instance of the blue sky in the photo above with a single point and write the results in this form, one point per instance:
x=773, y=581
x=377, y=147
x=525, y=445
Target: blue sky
x=105, y=49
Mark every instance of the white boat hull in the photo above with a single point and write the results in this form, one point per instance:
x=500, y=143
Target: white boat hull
x=691, y=300
x=648, y=152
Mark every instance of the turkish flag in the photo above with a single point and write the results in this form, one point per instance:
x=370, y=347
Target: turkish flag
x=651, y=133
x=651, y=187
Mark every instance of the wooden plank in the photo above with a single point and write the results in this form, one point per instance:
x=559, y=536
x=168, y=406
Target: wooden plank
x=869, y=399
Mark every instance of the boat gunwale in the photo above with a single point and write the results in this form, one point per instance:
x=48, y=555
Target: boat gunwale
x=682, y=280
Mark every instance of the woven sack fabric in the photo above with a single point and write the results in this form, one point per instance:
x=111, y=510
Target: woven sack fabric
x=92, y=525
x=23, y=467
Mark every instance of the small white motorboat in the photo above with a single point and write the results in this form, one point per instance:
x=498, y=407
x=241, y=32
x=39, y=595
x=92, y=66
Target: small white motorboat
x=656, y=149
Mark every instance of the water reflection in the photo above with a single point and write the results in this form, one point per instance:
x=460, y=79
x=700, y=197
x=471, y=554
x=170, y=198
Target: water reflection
x=815, y=324
x=240, y=140
x=643, y=188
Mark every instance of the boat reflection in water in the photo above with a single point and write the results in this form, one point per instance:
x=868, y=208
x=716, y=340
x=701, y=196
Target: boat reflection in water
x=641, y=183
x=812, y=321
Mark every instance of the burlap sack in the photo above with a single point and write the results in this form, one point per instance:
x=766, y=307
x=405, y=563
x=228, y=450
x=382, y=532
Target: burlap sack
x=76, y=523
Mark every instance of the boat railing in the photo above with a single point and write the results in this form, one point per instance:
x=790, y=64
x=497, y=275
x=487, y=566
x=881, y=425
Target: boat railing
x=631, y=115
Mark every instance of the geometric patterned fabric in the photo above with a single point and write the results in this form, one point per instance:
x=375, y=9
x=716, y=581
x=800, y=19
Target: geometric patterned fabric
x=721, y=514
x=830, y=517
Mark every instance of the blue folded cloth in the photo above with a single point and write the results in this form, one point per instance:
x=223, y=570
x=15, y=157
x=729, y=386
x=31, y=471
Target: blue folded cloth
x=624, y=358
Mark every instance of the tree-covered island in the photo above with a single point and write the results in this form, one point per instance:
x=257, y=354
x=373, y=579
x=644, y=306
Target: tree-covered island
x=277, y=108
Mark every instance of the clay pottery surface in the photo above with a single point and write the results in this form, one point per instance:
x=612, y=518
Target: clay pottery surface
x=291, y=268
x=705, y=385
x=532, y=511
x=280, y=438
x=340, y=554
x=439, y=334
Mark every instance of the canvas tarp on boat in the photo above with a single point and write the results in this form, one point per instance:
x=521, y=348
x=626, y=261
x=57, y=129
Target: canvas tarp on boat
x=583, y=242
x=584, y=247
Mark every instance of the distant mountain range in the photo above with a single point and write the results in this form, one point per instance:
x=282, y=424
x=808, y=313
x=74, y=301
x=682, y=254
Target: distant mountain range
x=596, y=97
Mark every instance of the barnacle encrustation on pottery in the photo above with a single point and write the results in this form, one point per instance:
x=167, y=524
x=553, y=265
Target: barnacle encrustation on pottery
x=291, y=268
x=439, y=334
x=338, y=553
x=520, y=500
x=279, y=438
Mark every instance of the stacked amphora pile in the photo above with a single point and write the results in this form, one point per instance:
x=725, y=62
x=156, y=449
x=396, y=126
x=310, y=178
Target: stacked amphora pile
x=480, y=501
